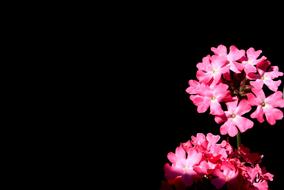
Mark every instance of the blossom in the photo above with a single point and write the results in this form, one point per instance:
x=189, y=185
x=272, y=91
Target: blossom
x=250, y=64
x=235, y=120
x=211, y=69
x=266, y=106
x=202, y=159
x=235, y=80
x=266, y=77
x=210, y=96
x=226, y=77
x=257, y=177
x=234, y=55
x=182, y=165
x=227, y=172
x=199, y=140
x=195, y=87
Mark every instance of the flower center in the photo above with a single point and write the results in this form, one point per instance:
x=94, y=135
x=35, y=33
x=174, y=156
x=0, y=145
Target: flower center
x=264, y=77
x=263, y=104
x=233, y=115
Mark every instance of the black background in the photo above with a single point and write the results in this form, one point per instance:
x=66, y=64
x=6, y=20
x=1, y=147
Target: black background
x=147, y=54
x=163, y=51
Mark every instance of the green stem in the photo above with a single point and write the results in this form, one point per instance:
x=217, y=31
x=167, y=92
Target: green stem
x=238, y=140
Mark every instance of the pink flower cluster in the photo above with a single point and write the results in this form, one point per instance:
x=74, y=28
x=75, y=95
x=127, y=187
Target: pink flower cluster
x=229, y=84
x=203, y=159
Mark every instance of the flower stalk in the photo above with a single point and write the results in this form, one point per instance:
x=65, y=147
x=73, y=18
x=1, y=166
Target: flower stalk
x=238, y=140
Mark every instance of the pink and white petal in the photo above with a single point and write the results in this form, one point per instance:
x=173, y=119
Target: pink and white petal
x=235, y=53
x=224, y=129
x=193, y=83
x=201, y=66
x=239, y=66
x=243, y=123
x=258, y=84
x=232, y=105
x=202, y=167
x=243, y=107
x=278, y=114
x=196, y=99
x=201, y=102
x=229, y=128
x=204, y=65
x=172, y=157
x=252, y=100
x=215, y=108
x=249, y=69
x=225, y=69
x=220, y=88
x=194, y=157
x=272, y=85
x=258, y=114
x=203, y=107
x=216, y=78
x=191, y=90
x=218, y=61
x=275, y=73
x=259, y=94
x=272, y=115
x=180, y=153
x=193, y=87
x=203, y=76
x=234, y=67
x=276, y=99
x=252, y=54
x=212, y=138
x=220, y=50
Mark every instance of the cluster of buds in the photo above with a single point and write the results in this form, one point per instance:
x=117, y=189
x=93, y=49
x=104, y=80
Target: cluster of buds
x=231, y=84
x=203, y=163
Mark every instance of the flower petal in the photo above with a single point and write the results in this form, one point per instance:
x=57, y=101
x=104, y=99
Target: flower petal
x=243, y=123
x=258, y=114
x=243, y=107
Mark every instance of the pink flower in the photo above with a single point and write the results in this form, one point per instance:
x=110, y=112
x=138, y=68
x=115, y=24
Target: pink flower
x=257, y=178
x=266, y=106
x=211, y=69
x=235, y=120
x=202, y=158
x=226, y=173
x=194, y=87
x=210, y=97
x=266, y=77
x=212, y=139
x=249, y=64
x=234, y=55
x=182, y=165
x=226, y=77
x=199, y=140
